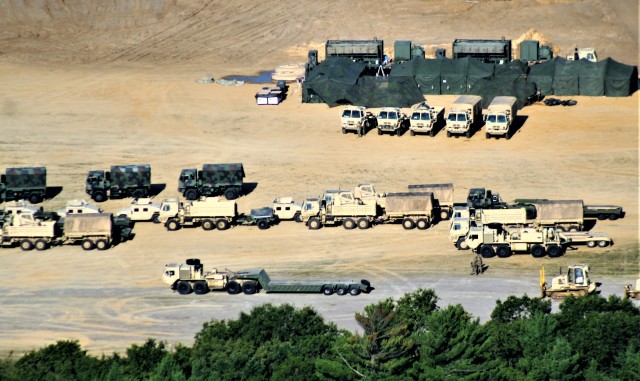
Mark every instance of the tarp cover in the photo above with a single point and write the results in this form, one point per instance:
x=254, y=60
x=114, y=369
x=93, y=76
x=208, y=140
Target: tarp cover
x=410, y=202
x=87, y=224
x=559, y=210
x=441, y=192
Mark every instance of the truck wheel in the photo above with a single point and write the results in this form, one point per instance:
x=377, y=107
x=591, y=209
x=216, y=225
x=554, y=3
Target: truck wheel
x=592, y=244
x=155, y=218
x=412, y=133
x=102, y=244
x=408, y=224
x=354, y=291
x=379, y=131
x=573, y=228
x=560, y=228
x=468, y=134
x=249, y=288
x=398, y=133
x=231, y=194
x=26, y=245
x=263, y=224
x=34, y=198
x=422, y=223
x=183, y=287
x=200, y=288
x=461, y=244
x=448, y=134
x=344, y=130
x=602, y=217
x=537, y=251
x=314, y=223
x=487, y=136
x=487, y=251
x=208, y=225
x=504, y=251
x=508, y=136
x=612, y=217
x=222, y=224
x=363, y=223
x=41, y=244
x=297, y=217
x=431, y=132
x=603, y=243
x=191, y=194
x=172, y=225
x=349, y=224
x=444, y=214
x=88, y=244
x=341, y=291
x=99, y=196
x=233, y=287
x=554, y=251
x=327, y=290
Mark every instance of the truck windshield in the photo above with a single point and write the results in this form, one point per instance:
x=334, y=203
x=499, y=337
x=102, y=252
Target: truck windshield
x=462, y=117
x=415, y=116
x=383, y=115
x=491, y=118
x=355, y=114
x=425, y=116
x=502, y=119
x=393, y=115
x=346, y=114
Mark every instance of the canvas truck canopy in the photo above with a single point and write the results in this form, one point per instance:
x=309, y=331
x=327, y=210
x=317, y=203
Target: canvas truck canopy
x=443, y=193
x=26, y=177
x=87, y=224
x=559, y=210
x=409, y=202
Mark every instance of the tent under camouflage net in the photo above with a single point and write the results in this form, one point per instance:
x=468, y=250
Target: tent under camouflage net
x=339, y=81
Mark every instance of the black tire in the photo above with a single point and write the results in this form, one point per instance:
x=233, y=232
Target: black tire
x=448, y=134
x=183, y=287
x=102, y=244
x=379, y=131
x=99, y=196
x=297, y=217
x=341, y=291
x=422, y=223
x=354, y=291
x=431, y=132
x=231, y=194
x=41, y=244
x=327, y=290
x=592, y=244
x=468, y=134
x=508, y=136
x=573, y=228
x=363, y=223
x=344, y=130
x=487, y=136
x=412, y=133
x=26, y=245
x=172, y=225
x=233, y=287
x=208, y=224
x=155, y=218
x=554, y=251
x=34, y=198
x=349, y=224
x=487, y=251
x=263, y=224
x=613, y=217
x=602, y=217
x=560, y=228
x=444, y=215
x=408, y=224
x=461, y=244
x=200, y=287
x=249, y=288
x=537, y=251
x=314, y=223
x=398, y=133
x=88, y=244
x=191, y=194
x=222, y=224
x=503, y=251
x=603, y=243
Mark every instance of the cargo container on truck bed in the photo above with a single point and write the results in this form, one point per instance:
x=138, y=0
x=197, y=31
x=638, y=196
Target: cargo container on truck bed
x=122, y=181
x=24, y=183
x=212, y=180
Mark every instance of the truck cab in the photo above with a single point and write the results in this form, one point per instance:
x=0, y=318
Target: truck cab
x=424, y=119
x=188, y=183
x=96, y=184
x=169, y=208
x=141, y=209
x=391, y=120
x=357, y=119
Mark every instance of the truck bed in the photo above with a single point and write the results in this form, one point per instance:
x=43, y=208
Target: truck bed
x=297, y=286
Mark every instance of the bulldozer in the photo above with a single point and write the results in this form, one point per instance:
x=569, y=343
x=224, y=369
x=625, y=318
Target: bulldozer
x=633, y=293
x=575, y=282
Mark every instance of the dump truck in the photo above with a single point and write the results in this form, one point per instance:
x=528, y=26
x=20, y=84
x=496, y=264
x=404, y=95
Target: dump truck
x=501, y=114
x=338, y=207
x=464, y=116
x=631, y=292
x=391, y=120
x=191, y=277
x=412, y=209
x=285, y=208
x=575, y=282
x=489, y=241
x=426, y=119
x=208, y=212
x=24, y=184
x=442, y=194
x=358, y=120
x=212, y=180
x=122, y=181
x=141, y=209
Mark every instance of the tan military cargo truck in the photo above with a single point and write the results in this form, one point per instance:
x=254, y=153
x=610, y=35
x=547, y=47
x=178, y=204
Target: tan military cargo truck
x=208, y=212
x=443, y=195
x=357, y=119
x=426, y=119
x=412, y=209
x=501, y=114
x=27, y=231
x=338, y=207
x=464, y=116
x=391, y=120
x=489, y=241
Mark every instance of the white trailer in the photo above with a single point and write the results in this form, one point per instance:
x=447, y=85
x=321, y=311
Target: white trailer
x=501, y=114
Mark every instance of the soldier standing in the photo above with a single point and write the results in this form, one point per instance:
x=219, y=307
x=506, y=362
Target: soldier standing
x=476, y=265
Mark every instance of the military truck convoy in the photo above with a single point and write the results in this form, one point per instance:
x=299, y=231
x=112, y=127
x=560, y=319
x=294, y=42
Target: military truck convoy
x=24, y=184
x=122, y=181
x=191, y=277
x=212, y=180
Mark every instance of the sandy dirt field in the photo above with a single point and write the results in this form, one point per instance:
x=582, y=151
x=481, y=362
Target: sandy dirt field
x=84, y=88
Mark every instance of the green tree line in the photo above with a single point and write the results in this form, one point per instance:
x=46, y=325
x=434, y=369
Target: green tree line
x=412, y=338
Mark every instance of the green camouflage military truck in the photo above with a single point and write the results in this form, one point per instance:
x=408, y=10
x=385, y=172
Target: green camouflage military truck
x=24, y=183
x=122, y=181
x=212, y=180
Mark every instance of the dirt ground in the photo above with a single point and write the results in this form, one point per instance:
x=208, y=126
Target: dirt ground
x=84, y=88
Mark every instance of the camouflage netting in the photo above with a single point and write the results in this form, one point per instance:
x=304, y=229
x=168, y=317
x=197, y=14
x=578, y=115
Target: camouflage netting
x=339, y=81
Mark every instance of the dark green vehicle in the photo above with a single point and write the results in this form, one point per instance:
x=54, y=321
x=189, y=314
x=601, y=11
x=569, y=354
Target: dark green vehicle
x=264, y=218
x=212, y=180
x=122, y=181
x=190, y=277
x=24, y=184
